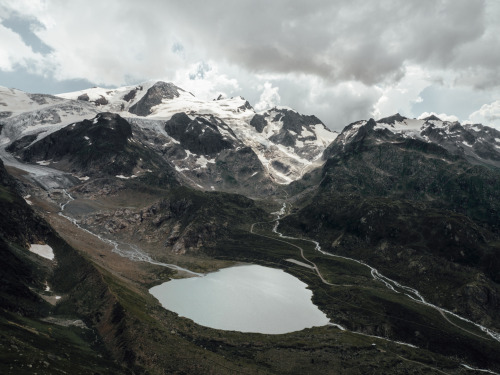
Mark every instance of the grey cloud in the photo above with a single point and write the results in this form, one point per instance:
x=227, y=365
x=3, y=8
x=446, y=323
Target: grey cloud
x=289, y=43
x=338, y=40
x=460, y=101
x=335, y=106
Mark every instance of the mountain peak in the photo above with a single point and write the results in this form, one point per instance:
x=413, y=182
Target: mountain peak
x=391, y=120
x=432, y=118
x=154, y=96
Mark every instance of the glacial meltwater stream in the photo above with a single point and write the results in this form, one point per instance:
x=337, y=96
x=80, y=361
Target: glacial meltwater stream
x=248, y=298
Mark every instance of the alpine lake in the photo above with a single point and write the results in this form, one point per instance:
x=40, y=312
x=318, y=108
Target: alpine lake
x=248, y=298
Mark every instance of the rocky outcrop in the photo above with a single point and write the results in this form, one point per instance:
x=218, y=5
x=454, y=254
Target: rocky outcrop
x=201, y=135
x=84, y=97
x=101, y=145
x=258, y=122
x=188, y=221
x=21, y=143
x=153, y=97
x=413, y=209
x=391, y=120
x=87, y=144
x=306, y=135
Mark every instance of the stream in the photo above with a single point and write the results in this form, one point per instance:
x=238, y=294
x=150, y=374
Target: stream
x=128, y=251
x=50, y=178
x=389, y=283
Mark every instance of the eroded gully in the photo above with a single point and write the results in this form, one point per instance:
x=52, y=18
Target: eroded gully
x=128, y=251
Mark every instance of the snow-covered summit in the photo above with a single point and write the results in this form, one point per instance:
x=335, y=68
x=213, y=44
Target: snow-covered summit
x=286, y=142
x=24, y=114
x=14, y=102
x=478, y=143
x=156, y=99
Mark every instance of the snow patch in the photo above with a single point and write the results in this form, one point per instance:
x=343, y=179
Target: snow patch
x=202, y=161
x=306, y=133
x=44, y=251
x=324, y=135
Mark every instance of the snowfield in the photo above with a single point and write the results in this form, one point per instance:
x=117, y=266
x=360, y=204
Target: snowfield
x=41, y=115
x=44, y=251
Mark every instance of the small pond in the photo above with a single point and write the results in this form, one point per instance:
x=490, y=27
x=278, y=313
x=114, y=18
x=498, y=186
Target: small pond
x=248, y=298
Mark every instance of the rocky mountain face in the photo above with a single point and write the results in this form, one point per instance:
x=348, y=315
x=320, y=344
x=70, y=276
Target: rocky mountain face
x=477, y=143
x=37, y=334
x=272, y=140
x=293, y=142
x=200, y=135
x=143, y=179
x=417, y=208
x=183, y=222
x=212, y=145
x=103, y=146
x=154, y=96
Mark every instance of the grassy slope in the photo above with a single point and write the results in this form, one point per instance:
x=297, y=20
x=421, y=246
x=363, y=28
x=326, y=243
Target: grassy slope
x=362, y=304
x=29, y=344
x=141, y=334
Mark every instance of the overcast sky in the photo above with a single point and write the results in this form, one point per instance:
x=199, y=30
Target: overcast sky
x=340, y=60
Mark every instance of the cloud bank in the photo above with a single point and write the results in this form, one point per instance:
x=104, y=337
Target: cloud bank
x=341, y=60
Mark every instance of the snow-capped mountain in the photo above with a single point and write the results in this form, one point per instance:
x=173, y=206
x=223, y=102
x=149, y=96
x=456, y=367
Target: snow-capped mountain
x=212, y=144
x=479, y=144
x=37, y=115
x=286, y=142
x=400, y=197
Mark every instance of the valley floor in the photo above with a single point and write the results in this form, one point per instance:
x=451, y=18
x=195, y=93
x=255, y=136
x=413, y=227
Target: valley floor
x=379, y=327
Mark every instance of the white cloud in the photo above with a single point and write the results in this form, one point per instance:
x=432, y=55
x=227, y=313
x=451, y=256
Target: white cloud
x=399, y=97
x=335, y=105
x=441, y=116
x=341, y=60
x=204, y=81
x=371, y=42
x=119, y=43
x=488, y=114
x=269, y=97
x=32, y=8
x=15, y=52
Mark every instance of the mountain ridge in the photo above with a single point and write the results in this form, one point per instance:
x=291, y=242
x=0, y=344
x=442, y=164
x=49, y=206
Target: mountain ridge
x=283, y=154
x=192, y=186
